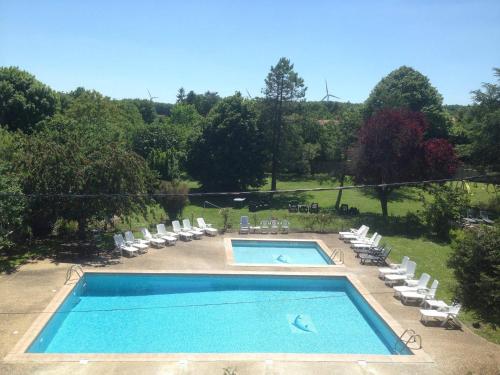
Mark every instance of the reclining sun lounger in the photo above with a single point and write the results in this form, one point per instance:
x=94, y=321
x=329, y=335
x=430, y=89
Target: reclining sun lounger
x=445, y=315
x=186, y=224
x=176, y=227
x=209, y=230
x=123, y=247
x=421, y=284
x=420, y=295
x=393, y=268
x=392, y=279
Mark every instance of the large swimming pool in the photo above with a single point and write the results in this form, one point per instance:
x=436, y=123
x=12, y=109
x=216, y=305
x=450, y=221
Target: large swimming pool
x=279, y=252
x=163, y=313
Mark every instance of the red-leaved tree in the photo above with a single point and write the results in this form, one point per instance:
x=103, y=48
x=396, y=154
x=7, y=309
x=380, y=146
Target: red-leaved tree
x=391, y=148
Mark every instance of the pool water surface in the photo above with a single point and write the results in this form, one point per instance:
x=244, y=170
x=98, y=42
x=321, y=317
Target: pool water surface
x=164, y=313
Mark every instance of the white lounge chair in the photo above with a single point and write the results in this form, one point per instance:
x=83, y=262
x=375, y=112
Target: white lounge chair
x=444, y=315
x=274, y=226
x=365, y=239
x=420, y=295
x=284, y=226
x=484, y=217
x=156, y=242
x=352, y=232
x=162, y=232
x=414, y=286
x=360, y=248
x=393, y=268
x=176, y=227
x=142, y=245
x=244, y=224
x=186, y=227
x=122, y=246
x=359, y=235
x=206, y=227
x=264, y=226
x=392, y=279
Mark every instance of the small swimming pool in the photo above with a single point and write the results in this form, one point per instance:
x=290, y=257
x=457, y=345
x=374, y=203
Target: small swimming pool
x=282, y=252
x=169, y=313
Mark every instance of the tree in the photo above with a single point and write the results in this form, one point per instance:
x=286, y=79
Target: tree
x=181, y=96
x=80, y=156
x=202, y=102
x=283, y=87
x=24, y=101
x=484, y=131
x=391, y=148
x=146, y=109
x=173, y=197
x=407, y=88
x=444, y=209
x=476, y=264
x=161, y=145
x=229, y=154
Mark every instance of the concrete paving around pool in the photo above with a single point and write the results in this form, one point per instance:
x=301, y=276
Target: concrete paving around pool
x=25, y=293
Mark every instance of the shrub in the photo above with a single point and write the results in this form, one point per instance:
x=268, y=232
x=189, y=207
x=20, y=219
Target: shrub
x=476, y=264
x=176, y=200
x=445, y=209
x=224, y=212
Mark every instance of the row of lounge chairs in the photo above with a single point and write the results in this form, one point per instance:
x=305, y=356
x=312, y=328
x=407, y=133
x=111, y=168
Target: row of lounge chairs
x=132, y=246
x=401, y=276
x=472, y=219
x=417, y=291
x=366, y=248
x=272, y=226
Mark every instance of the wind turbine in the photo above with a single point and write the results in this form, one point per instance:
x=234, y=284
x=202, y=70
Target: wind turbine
x=328, y=95
x=248, y=93
x=151, y=97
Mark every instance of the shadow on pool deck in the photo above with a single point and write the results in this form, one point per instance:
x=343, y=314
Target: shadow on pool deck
x=27, y=292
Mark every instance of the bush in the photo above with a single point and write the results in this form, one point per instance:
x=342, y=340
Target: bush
x=476, y=264
x=174, y=203
x=445, y=209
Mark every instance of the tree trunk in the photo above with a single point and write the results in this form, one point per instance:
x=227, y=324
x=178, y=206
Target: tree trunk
x=339, y=194
x=383, y=194
x=82, y=228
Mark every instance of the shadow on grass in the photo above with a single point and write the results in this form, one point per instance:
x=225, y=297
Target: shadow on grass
x=397, y=195
x=407, y=226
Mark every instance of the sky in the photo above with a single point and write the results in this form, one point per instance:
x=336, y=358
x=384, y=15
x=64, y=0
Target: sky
x=125, y=48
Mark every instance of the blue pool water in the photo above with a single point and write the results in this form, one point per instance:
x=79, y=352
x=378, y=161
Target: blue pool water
x=131, y=313
x=279, y=252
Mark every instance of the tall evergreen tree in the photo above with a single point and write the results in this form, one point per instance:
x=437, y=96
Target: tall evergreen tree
x=283, y=87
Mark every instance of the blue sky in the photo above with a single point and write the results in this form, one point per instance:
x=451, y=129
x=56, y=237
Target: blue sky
x=122, y=48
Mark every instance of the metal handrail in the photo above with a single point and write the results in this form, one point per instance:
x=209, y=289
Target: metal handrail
x=412, y=338
x=211, y=204
x=337, y=252
x=75, y=268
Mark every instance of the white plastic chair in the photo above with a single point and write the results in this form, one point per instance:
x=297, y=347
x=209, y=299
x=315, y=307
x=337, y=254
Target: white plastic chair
x=176, y=227
x=209, y=230
x=392, y=279
x=156, y=242
x=443, y=315
x=123, y=247
x=186, y=224
x=414, y=286
x=420, y=295
x=394, y=268
x=142, y=245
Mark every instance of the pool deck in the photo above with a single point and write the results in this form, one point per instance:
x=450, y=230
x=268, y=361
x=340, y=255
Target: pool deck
x=26, y=293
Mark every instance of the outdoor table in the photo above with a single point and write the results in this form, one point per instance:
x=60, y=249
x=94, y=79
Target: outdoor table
x=239, y=202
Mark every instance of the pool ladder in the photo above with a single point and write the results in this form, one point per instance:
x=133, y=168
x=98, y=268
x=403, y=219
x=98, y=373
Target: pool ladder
x=409, y=336
x=337, y=255
x=74, y=269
